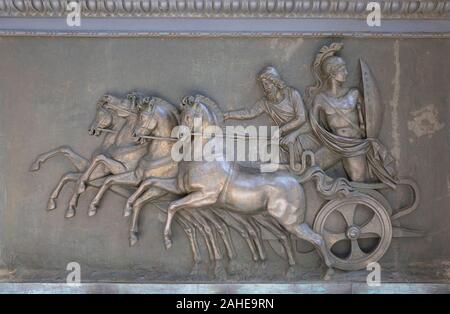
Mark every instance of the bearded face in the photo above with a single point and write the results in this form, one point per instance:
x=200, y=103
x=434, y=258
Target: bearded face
x=270, y=90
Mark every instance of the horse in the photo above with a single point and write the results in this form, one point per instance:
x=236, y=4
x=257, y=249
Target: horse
x=219, y=183
x=159, y=118
x=121, y=153
x=156, y=161
x=105, y=121
x=108, y=121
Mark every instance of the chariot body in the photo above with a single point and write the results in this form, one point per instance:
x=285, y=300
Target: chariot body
x=357, y=228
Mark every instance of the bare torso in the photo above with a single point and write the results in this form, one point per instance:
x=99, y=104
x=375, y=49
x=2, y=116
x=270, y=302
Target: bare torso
x=336, y=108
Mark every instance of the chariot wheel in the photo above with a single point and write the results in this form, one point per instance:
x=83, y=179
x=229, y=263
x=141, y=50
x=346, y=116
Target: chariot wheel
x=357, y=230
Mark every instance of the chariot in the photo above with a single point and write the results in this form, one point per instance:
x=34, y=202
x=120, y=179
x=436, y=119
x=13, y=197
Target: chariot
x=358, y=228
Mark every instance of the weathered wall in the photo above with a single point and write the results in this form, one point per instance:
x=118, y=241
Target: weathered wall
x=48, y=90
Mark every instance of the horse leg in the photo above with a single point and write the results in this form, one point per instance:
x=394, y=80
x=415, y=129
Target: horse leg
x=73, y=203
x=241, y=230
x=278, y=232
x=68, y=177
x=303, y=231
x=145, y=185
x=189, y=229
x=190, y=226
x=184, y=220
x=81, y=183
x=78, y=161
x=258, y=236
x=210, y=233
x=191, y=201
x=70, y=212
x=200, y=228
x=169, y=185
x=111, y=165
x=133, y=198
x=151, y=194
x=253, y=234
x=223, y=230
x=126, y=178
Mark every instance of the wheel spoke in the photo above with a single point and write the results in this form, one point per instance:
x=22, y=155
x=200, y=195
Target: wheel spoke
x=373, y=226
x=356, y=252
x=348, y=212
x=369, y=236
x=331, y=238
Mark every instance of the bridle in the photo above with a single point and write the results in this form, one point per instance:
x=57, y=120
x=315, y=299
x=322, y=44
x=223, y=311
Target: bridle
x=115, y=108
x=121, y=109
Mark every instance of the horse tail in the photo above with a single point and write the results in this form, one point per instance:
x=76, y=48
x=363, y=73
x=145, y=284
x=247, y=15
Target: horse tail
x=328, y=187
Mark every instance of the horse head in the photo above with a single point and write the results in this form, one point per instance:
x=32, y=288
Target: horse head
x=147, y=121
x=109, y=108
x=200, y=112
x=156, y=117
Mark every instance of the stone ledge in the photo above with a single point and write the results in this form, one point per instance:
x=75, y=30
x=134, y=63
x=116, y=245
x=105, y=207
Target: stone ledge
x=203, y=27
x=292, y=288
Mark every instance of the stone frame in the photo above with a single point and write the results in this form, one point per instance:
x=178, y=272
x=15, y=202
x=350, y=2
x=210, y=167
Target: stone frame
x=191, y=18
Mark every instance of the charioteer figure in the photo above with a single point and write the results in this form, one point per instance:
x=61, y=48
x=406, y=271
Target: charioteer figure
x=284, y=105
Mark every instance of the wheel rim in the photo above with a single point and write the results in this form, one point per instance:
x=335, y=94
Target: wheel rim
x=361, y=241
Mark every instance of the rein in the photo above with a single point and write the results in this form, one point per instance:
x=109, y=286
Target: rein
x=169, y=138
x=106, y=130
x=121, y=109
x=235, y=137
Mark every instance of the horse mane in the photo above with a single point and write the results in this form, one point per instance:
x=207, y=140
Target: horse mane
x=163, y=103
x=212, y=105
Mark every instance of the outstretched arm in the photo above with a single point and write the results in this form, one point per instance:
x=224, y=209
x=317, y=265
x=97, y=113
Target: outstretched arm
x=246, y=114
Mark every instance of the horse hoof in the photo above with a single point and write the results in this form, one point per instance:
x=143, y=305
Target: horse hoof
x=35, y=166
x=92, y=210
x=168, y=243
x=133, y=238
x=70, y=212
x=51, y=204
x=291, y=273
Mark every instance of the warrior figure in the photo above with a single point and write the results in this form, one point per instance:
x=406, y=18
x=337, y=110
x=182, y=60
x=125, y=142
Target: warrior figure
x=338, y=121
